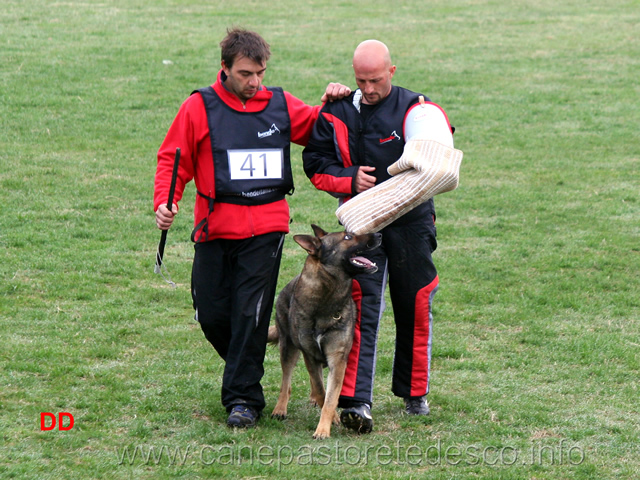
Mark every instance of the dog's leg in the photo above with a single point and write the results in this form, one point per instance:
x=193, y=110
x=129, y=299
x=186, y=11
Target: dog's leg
x=317, y=384
x=288, y=358
x=337, y=367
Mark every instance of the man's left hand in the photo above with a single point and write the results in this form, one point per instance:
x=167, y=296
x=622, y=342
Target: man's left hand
x=335, y=91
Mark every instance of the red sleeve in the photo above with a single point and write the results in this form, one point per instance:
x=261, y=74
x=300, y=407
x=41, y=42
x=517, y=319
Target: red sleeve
x=303, y=117
x=327, y=158
x=187, y=131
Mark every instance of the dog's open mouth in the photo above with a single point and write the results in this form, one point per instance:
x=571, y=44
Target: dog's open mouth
x=363, y=263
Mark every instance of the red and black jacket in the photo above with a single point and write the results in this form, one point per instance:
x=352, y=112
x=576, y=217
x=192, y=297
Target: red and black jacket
x=342, y=141
x=190, y=132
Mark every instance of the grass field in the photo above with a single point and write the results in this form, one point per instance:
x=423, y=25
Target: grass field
x=537, y=321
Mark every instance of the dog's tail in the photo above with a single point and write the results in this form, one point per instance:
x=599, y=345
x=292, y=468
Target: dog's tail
x=274, y=335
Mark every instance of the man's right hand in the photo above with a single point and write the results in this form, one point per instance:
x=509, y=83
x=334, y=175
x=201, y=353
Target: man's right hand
x=364, y=181
x=164, y=217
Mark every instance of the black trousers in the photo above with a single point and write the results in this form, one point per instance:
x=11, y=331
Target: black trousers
x=404, y=259
x=233, y=284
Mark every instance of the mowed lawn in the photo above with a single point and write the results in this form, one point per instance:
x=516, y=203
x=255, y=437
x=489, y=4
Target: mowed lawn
x=536, y=333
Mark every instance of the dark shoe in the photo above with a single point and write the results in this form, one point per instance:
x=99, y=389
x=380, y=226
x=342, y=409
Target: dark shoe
x=243, y=416
x=357, y=418
x=416, y=405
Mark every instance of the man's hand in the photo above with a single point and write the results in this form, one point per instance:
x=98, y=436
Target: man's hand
x=164, y=217
x=364, y=181
x=335, y=91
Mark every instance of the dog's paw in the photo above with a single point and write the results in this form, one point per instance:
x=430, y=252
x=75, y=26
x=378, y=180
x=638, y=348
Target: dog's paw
x=321, y=434
x=279, y=415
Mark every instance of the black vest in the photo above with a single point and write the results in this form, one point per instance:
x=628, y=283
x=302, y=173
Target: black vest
x=377, y=139
x=252, y=164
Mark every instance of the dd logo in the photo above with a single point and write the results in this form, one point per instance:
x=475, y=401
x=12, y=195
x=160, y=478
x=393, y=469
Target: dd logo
x=61, y=416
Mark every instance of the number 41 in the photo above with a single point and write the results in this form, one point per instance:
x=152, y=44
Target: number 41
x=247, y=166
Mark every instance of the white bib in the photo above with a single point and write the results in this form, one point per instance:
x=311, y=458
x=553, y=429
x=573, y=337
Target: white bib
x=255, y=164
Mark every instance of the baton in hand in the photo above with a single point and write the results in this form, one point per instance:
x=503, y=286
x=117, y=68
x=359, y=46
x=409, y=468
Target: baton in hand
x=163, y=237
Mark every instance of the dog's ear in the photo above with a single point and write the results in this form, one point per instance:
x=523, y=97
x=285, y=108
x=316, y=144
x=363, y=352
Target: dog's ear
x=310, y=244
x=318, y=231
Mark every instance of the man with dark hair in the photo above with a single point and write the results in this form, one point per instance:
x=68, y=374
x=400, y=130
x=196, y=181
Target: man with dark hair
x=234, y=138
x=353, y=142
x=243, y=43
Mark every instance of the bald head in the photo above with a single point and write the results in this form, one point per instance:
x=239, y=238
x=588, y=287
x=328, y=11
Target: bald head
x=373, y=70
x=370, y=53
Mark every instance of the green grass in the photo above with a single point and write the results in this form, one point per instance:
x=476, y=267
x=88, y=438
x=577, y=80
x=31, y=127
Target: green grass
x=537, y=335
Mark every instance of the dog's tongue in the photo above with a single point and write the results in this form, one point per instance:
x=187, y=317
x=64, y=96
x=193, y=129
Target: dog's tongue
x=361, y=261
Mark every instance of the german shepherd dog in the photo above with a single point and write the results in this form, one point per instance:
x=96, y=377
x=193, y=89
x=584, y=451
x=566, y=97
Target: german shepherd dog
x=316, y=315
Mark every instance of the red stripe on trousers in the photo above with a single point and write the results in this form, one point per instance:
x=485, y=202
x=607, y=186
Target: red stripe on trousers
x=421, y=335
x=349, y=384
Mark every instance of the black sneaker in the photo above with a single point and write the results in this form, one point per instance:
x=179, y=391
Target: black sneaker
x=243, y=416
x=416, y=405
x=357, y=418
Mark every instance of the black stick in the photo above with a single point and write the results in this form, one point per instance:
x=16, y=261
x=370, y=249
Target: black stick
x=172, y=189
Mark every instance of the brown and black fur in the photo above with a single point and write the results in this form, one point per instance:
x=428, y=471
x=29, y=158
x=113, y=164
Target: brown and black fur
x=316, y=315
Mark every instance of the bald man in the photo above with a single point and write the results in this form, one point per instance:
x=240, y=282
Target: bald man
x=353, y=142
